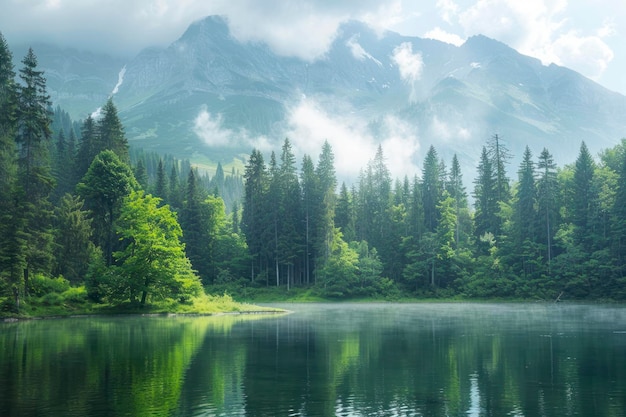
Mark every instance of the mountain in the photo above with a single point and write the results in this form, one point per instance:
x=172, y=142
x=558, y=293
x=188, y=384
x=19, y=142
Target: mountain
x=211, y=98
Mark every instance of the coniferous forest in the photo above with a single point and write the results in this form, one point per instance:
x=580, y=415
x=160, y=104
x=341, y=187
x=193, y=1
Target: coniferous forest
x=85, y=218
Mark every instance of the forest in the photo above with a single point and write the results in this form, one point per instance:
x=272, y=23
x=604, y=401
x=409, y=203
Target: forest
x=85, y=218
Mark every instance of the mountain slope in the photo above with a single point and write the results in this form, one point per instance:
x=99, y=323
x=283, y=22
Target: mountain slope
x=210, y=97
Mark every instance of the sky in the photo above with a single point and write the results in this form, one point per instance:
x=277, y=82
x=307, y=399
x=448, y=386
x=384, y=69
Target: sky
x=583, y=35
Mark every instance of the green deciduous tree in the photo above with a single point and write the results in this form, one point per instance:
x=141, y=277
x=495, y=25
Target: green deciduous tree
x=153, y=263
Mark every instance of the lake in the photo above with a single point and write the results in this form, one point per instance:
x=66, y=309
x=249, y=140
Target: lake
x=441, y=359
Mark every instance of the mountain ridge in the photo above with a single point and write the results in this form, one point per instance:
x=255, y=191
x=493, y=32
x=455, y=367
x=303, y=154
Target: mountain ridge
x=452, y=97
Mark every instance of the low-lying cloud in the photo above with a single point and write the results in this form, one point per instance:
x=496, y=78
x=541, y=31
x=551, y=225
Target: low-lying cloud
x=309, y=123
x=211, y=130
x=410, y=65
x=352, y=138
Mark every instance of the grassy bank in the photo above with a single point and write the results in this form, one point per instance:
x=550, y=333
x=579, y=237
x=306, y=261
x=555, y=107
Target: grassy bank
x=62, y=305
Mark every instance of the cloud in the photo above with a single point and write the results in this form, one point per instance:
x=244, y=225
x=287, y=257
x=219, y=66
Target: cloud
x=352, y=138
x=443, y=36
x=410, y=66
x=358, y=52
x=209, y=128
x=446, y=131
x=448, y=9
x=538, y=28
x=588, y=54
x=122, y=26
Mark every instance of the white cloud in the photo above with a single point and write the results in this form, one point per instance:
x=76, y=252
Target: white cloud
x=352, y=140
x=587, y=54
x=448, y=10
x=358, y=52
x=539, y=28
x=443, y=36
x=410, y=66
x=210, y=130
x=446, y=131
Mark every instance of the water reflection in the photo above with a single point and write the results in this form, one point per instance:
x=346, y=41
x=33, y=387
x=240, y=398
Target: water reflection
x=324, y=360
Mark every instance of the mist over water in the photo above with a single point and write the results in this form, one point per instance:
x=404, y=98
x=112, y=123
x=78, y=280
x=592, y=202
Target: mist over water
x=441, y=359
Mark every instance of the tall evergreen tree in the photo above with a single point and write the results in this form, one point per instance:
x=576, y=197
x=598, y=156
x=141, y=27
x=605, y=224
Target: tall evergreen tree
x=500, y=155
x=619, y=220
x=289, y=243
x=161, y=187
x=105, y=185
x=141, y=174
x=11, y=263
x=345, y=214
x=254, y=216
x=525, y=214
x=457, y=192
x=310, y=187
x=431, y=189
x=584, y=198
x=34, y=177
x=547, y=191
x=524, y=239
x=87, y=149
x=485, y=195
x=111, y=132
x=326, y=202
x=73, y=247
x=195, y=222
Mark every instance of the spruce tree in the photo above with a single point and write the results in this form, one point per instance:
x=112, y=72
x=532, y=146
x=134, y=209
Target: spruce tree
x=87, y=148
x=584, y=197
x=547, y=191
x=111, y=132
x=485, y=196
x=254, y=216
x=11, y=263
x=160, y=189
x=34, y=177
x=431, y=189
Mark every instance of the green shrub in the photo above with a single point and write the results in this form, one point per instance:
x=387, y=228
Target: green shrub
x=75, y=294
x=51, y=299
x=40, y=285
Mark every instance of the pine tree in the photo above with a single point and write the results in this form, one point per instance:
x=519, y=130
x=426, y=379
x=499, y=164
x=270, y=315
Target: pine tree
x=485, y=195
x=105, y=185
x=547, y=190
x=619, y=220
x=310, y=187
x=195, y=220
x=73, y=246
x=526, y=200
x=584, y=198
x=254, y=216
x=11, y=254
x=457, y=192
x=500, y=156
x=431, y=189
x=34, y=176
x=344, y=214
x=175, y=193
x=525, y=216
x=141, y=175
x=111, y=132
x=290, y=212
x=161, y=190
x=325, y=203
x=87, y=148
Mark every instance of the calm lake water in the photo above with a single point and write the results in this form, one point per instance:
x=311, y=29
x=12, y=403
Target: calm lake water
x=323, y=360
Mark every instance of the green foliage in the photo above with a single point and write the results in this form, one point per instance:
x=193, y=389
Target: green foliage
x=153, y=263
